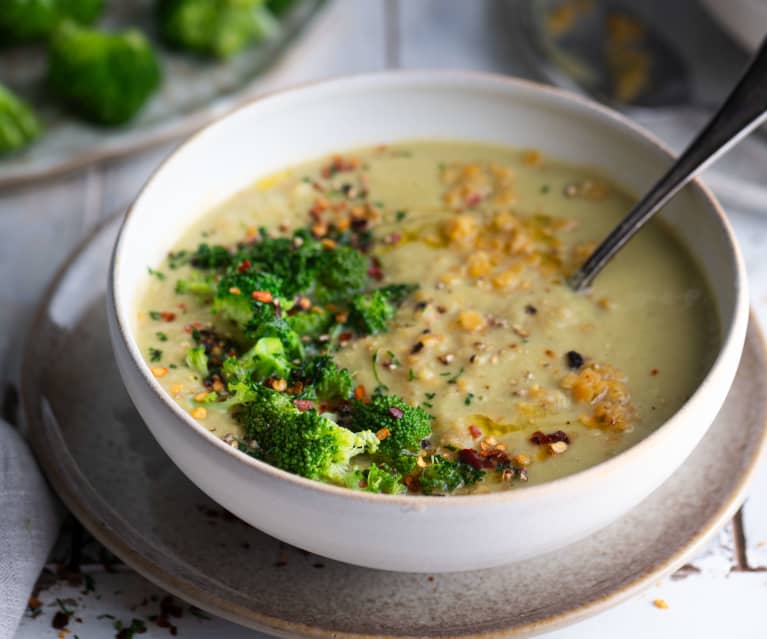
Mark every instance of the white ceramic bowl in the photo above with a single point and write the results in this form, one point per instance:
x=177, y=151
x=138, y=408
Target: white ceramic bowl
x=415, y=533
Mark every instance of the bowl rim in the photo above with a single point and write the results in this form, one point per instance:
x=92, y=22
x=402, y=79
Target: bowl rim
x=450, y=78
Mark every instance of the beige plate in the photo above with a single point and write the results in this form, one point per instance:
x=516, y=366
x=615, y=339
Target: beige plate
x=115, y=478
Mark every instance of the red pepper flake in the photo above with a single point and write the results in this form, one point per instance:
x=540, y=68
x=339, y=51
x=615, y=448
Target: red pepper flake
x=303, y=404
x=654, y=372
x=375, y=270
x=471, y=457
x=244, y=266
x=262, y=296
x=473, y=199
x=395, y=412
x=539, y=438
x=345, y=337
x=359, y=392
x=182, y=306
x=475, y=432
x=393, y=238
x=167, y=316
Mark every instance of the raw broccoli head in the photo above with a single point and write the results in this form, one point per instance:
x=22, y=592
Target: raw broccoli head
x=23, y=20
x=328, y=382
x=234, y=297
x=380, y=479
x=397, y=293
x=407, y=426
x=18, y=124
x=443, y=476
x=370, y=313
x=301, y=442
x=219, y=28
x=103, y=77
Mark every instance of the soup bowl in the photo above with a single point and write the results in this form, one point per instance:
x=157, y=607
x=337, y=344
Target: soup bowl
x=417, y=533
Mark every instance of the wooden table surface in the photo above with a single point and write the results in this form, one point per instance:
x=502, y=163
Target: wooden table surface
x=719, y=594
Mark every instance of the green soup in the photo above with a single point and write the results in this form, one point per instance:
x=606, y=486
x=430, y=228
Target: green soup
x=513, y=378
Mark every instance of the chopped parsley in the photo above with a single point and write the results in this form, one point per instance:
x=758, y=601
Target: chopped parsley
x=455, y=377
x=468, y=399
x=158, y=274
x=155, y=354
x=155, y=315
x=400, y=215
x=161, y=336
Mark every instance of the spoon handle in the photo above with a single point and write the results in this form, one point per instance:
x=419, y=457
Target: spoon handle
x=743, y=110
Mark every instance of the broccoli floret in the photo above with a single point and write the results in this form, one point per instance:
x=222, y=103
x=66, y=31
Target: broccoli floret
x=219, y=28
x=18, y=124
x=207, y=256
x=24, y=20
x=311, y=323
x=279, y=328
x=293, y=259
x=397, y=293
x=407, y=426
x=444, y=476
x=103, y=77
x=234, y=297
x=267, y=358
x=370, y=313
x=301, y=442
x=382, y=480
x=200, y=286
x=342, y=272
x=329, y=382
x=197, y=360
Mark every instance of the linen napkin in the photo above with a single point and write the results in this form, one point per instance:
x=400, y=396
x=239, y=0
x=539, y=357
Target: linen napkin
x=30, y=518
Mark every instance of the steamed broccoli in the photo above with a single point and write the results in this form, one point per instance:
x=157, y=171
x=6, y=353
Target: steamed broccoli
x=379, y=479
x=292, y=259
x=342, y=272
x=329, y=382
x=23, y=20
x=201, y=286
x=103, y=77
x=397, y=293
x=18, y=124
x=370, y=313
x=234, y=296
x=311, y=323
x=444, y=476
x=301, y=442
x=207, y=256
x=197, y=360
x=407, y=427
x=277, y=328
x=219, y=28
x=265, y=359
